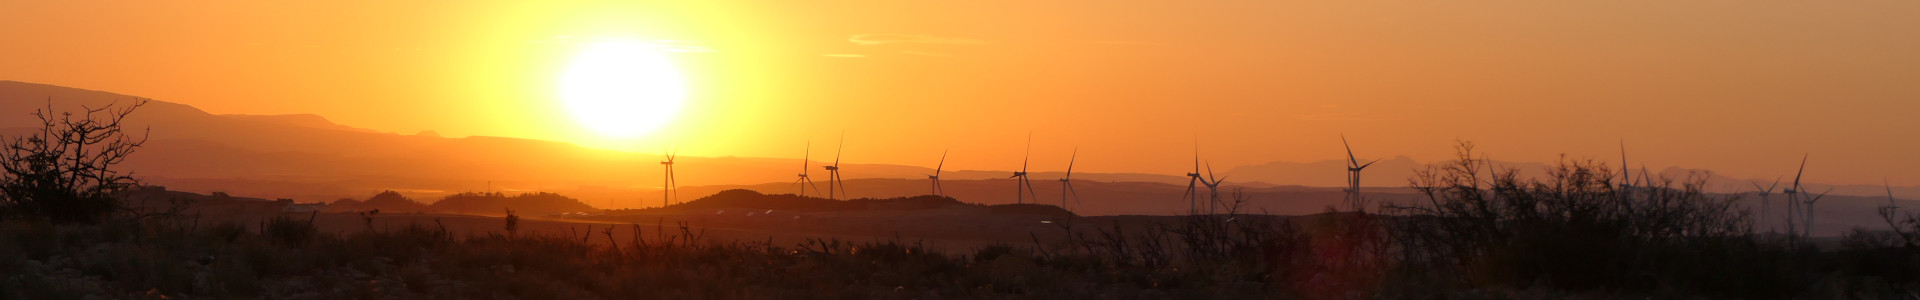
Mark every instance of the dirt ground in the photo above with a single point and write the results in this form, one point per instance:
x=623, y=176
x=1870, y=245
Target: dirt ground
x=955, y=232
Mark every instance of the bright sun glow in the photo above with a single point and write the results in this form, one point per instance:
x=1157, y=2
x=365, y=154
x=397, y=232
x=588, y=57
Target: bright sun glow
x=622, y=88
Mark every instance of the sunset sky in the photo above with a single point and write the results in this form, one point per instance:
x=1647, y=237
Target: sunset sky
x=1740, y=87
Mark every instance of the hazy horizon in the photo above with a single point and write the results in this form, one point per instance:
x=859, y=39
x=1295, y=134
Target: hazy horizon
x=1117, y=149
x=1317, y=173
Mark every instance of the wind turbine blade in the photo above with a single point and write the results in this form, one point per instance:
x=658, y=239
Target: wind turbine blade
x=1803, y=171
x=1029, y=155
x=1209, y=169
x=943, y=163
x=1623, y=154
x=1889, y=186
x=1070, y=159
x=806, y=157
x=1036, y=196
x=1076, y=195
x=1196, y=156
x=1644, y=176
x=1350, y=160
x=842, y=149
x=1363, y=167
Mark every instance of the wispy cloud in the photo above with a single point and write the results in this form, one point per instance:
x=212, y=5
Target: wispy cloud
x=885, y=39
x=925, y=53
x=680, y=46
x=1336, y=117
x=663, y=45
x=1114, y=42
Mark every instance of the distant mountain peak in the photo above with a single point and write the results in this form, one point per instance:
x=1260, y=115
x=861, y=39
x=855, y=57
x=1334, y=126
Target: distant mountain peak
x=300, y=120
x=26, y=96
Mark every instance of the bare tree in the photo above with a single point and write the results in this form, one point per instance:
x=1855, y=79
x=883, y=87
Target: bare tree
x=65, y=171
x=1572, y=228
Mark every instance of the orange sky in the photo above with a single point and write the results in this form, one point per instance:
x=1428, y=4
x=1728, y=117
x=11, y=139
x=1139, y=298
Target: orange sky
x=1741, y=87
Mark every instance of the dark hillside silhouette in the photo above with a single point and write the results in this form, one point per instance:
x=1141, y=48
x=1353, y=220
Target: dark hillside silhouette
x=1030, y=209
x=532, y=204
x=157, y=199
x=386, y=201
x=752, y=200
x=748, y=199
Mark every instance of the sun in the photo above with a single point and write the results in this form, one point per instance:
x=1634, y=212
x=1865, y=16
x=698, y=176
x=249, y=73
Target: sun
x=622, y=88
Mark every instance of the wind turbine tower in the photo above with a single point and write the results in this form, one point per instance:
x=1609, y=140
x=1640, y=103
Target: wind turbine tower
x=1794, y=193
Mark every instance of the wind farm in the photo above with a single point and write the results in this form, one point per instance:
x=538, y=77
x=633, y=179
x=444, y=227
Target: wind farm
x=506, y=150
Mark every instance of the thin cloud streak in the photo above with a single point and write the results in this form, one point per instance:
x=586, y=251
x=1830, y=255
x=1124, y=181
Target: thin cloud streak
x=886, y=39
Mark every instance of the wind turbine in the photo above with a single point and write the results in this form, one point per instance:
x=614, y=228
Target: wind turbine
x=1353, y=174
x=1808, y=227
x=1192, y=195
x=1765, y=203
x=833, y=171
x=1023, y=186
x=667, y=184
x=936, y=175
x=1066, y=183
x=804, y=182
x=1213, y=188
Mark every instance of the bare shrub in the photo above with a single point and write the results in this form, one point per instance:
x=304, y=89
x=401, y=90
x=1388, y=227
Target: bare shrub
x=513, y=223
x=1571, y=229
x=289, y=231
x=65, y=171
x=1905, y=229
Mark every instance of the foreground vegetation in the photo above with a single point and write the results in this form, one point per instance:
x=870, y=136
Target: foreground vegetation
x=1572, y=234
x=288, y=258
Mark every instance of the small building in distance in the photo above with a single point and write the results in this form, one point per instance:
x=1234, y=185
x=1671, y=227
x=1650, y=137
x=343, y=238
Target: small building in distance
x=287, y=205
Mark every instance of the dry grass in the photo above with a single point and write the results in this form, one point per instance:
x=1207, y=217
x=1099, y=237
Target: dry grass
x=292, y=259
